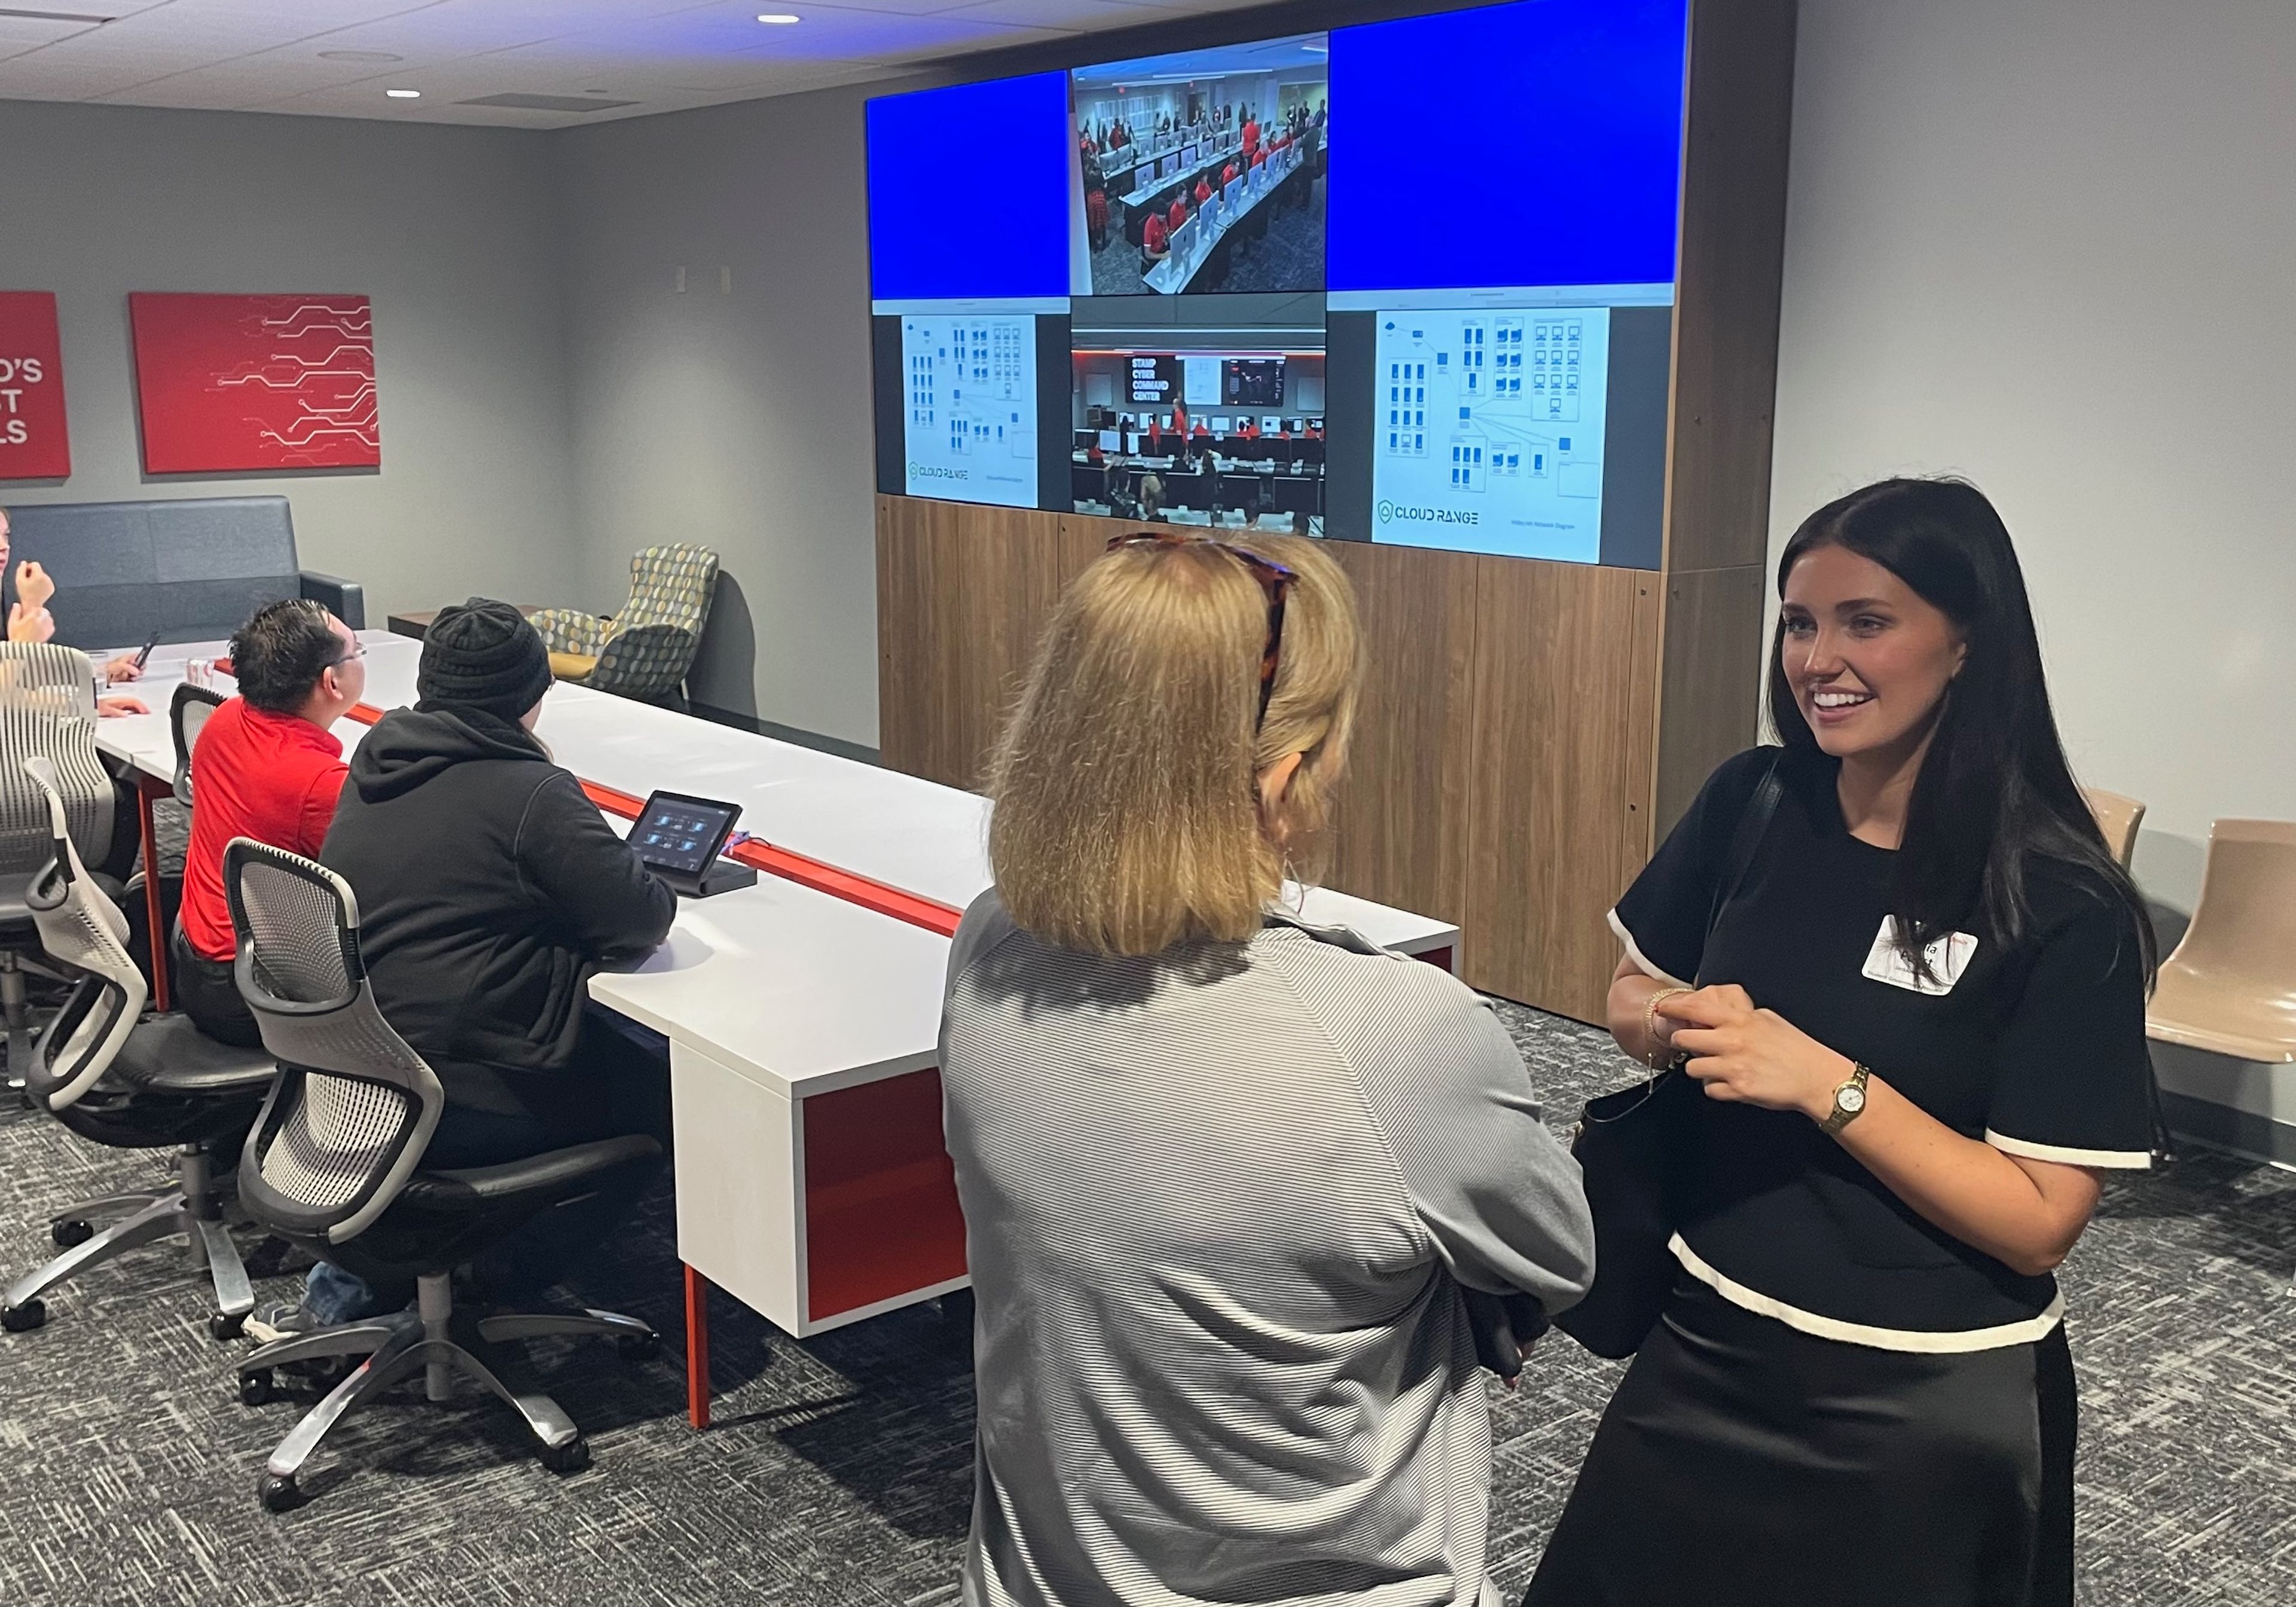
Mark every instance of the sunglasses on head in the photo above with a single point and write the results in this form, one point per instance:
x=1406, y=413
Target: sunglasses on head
x=1275, y=578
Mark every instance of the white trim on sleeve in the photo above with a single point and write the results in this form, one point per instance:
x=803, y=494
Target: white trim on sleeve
x=1922, y=1342
x=2129, y=1160
x=1634, y=953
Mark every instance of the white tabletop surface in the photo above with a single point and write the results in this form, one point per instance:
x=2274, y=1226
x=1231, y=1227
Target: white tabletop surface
x=798, y=989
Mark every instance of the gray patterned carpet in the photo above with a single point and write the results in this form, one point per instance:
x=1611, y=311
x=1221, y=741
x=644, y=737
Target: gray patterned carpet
x=840, y=1470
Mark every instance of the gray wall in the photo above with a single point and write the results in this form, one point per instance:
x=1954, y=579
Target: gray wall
x=453, y=233
x=739, y=420
x=2046, y=245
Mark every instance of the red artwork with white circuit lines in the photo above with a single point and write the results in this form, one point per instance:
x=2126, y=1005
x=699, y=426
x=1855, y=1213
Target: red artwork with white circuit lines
x=236, y=383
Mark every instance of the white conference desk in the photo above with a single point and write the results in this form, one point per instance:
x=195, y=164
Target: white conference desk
x=811, y=1179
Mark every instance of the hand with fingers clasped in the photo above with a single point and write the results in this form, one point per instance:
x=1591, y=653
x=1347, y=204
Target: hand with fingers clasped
x=1747, y=1055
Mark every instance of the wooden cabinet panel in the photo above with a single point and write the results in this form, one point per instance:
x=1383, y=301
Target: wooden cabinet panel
x=1402, y=836
x=962, y=593
x=1710, y=688
x=1559, y=713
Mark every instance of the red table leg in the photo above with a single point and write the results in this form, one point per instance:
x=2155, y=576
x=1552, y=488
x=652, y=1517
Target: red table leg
x=146, y=790
x=697, y=1348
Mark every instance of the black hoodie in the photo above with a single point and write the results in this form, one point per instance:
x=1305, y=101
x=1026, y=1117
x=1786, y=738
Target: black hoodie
x=489, y=888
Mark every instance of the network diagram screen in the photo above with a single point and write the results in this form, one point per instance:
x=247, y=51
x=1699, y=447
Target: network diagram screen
x=1489, y=430
x=970, y=429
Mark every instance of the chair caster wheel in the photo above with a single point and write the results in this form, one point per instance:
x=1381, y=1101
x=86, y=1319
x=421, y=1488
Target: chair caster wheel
x=68, y=1233
x=226, y=1324
x=638, y=1347
x=278, y=1495
x=572, y=1457
x=23, y=1318
x=255, y=1387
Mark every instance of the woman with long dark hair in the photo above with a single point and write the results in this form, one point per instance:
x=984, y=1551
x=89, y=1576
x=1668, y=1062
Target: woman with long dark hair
x=1914, y=999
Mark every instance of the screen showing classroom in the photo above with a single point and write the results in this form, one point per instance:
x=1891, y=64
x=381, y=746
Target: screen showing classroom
x=1479, y=272
x=1203, y=171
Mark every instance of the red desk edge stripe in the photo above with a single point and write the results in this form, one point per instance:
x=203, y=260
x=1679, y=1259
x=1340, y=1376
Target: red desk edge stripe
x=791, y=867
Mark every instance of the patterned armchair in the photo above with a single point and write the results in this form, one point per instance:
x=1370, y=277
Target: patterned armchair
x=643, y=652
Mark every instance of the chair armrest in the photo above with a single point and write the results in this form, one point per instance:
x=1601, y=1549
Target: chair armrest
x=571, y=631
x=345, y=599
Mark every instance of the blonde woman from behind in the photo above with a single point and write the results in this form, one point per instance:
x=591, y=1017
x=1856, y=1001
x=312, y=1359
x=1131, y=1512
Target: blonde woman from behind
x=1224, y=1174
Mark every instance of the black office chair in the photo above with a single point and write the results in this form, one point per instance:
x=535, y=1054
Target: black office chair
x=130, y=1083
x=334, y=1165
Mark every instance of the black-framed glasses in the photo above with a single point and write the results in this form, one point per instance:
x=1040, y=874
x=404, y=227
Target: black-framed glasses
x=1275, y=578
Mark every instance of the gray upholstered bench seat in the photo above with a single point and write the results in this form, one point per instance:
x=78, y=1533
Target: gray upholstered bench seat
x=191, y=568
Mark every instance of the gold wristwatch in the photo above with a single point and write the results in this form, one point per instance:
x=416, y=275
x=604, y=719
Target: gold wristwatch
x=1848, y=1100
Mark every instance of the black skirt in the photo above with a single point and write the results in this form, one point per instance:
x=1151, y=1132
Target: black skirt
x=1745, y=1461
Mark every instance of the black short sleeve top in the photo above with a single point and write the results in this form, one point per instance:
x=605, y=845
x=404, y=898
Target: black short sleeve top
x=2039, y=1051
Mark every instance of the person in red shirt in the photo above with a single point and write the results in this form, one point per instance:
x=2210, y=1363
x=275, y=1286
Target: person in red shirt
x=1155, y=436
x=1199, y=432
x=1250, y=135
x=1260, y=159
x=267, y=766
x=1251, y=431
x=1178, y=214
x=1203, y=194
x=1155, y=238
x=1228, y=177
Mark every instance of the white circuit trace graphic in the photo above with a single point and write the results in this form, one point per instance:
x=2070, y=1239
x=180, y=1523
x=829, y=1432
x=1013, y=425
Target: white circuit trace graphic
x=323, y=365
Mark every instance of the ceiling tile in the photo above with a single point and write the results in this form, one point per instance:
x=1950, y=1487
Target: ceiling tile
x=266, y=53
x=1080, y=15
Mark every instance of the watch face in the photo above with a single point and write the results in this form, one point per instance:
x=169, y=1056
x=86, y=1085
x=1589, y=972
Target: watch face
x=1850, y=1099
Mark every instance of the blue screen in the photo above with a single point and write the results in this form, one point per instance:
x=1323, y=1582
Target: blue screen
x=1526, y=144
x=929, y=241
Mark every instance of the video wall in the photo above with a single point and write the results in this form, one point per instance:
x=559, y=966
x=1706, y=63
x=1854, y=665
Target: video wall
x=1411, y=282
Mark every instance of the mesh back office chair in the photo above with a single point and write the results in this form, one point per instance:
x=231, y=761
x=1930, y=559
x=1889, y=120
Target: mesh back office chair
x=643, y=652
x=128, y=1083
x=47, y=706
x=334, y=1163
x=187, y=714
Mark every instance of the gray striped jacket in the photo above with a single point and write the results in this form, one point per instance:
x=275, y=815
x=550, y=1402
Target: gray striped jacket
x=1219, y=1206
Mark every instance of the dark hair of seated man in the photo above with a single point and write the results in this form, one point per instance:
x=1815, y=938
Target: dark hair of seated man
x=280, y=654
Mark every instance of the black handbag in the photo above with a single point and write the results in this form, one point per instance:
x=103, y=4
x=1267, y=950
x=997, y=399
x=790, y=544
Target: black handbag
x=1629, y=1150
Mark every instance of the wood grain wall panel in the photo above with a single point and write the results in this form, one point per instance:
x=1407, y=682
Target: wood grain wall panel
x=1726, y=353
x=1085, y=537
x=1403, y=816
x=961, y=592
x=1639, y=839
x=1554, y=695
x=1710, y=680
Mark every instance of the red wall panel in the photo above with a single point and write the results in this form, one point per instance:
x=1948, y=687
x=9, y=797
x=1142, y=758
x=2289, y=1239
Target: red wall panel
x=33, y=441
x=228, y=383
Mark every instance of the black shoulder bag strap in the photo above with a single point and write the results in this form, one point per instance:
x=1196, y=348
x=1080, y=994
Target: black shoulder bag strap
x=1753, y=825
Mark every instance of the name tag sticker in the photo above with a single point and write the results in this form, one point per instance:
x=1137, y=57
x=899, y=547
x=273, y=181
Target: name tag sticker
x=1949, y=957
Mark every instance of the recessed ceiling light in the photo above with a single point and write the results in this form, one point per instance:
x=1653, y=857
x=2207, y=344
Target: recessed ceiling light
x=359, y=56
x=777, y=19
x=404, y=94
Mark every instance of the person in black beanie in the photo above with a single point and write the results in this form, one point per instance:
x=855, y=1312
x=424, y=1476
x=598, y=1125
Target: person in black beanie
x=489, y=890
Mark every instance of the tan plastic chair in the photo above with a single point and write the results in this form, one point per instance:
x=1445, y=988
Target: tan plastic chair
x=2230, y=988
x=2117, y=817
